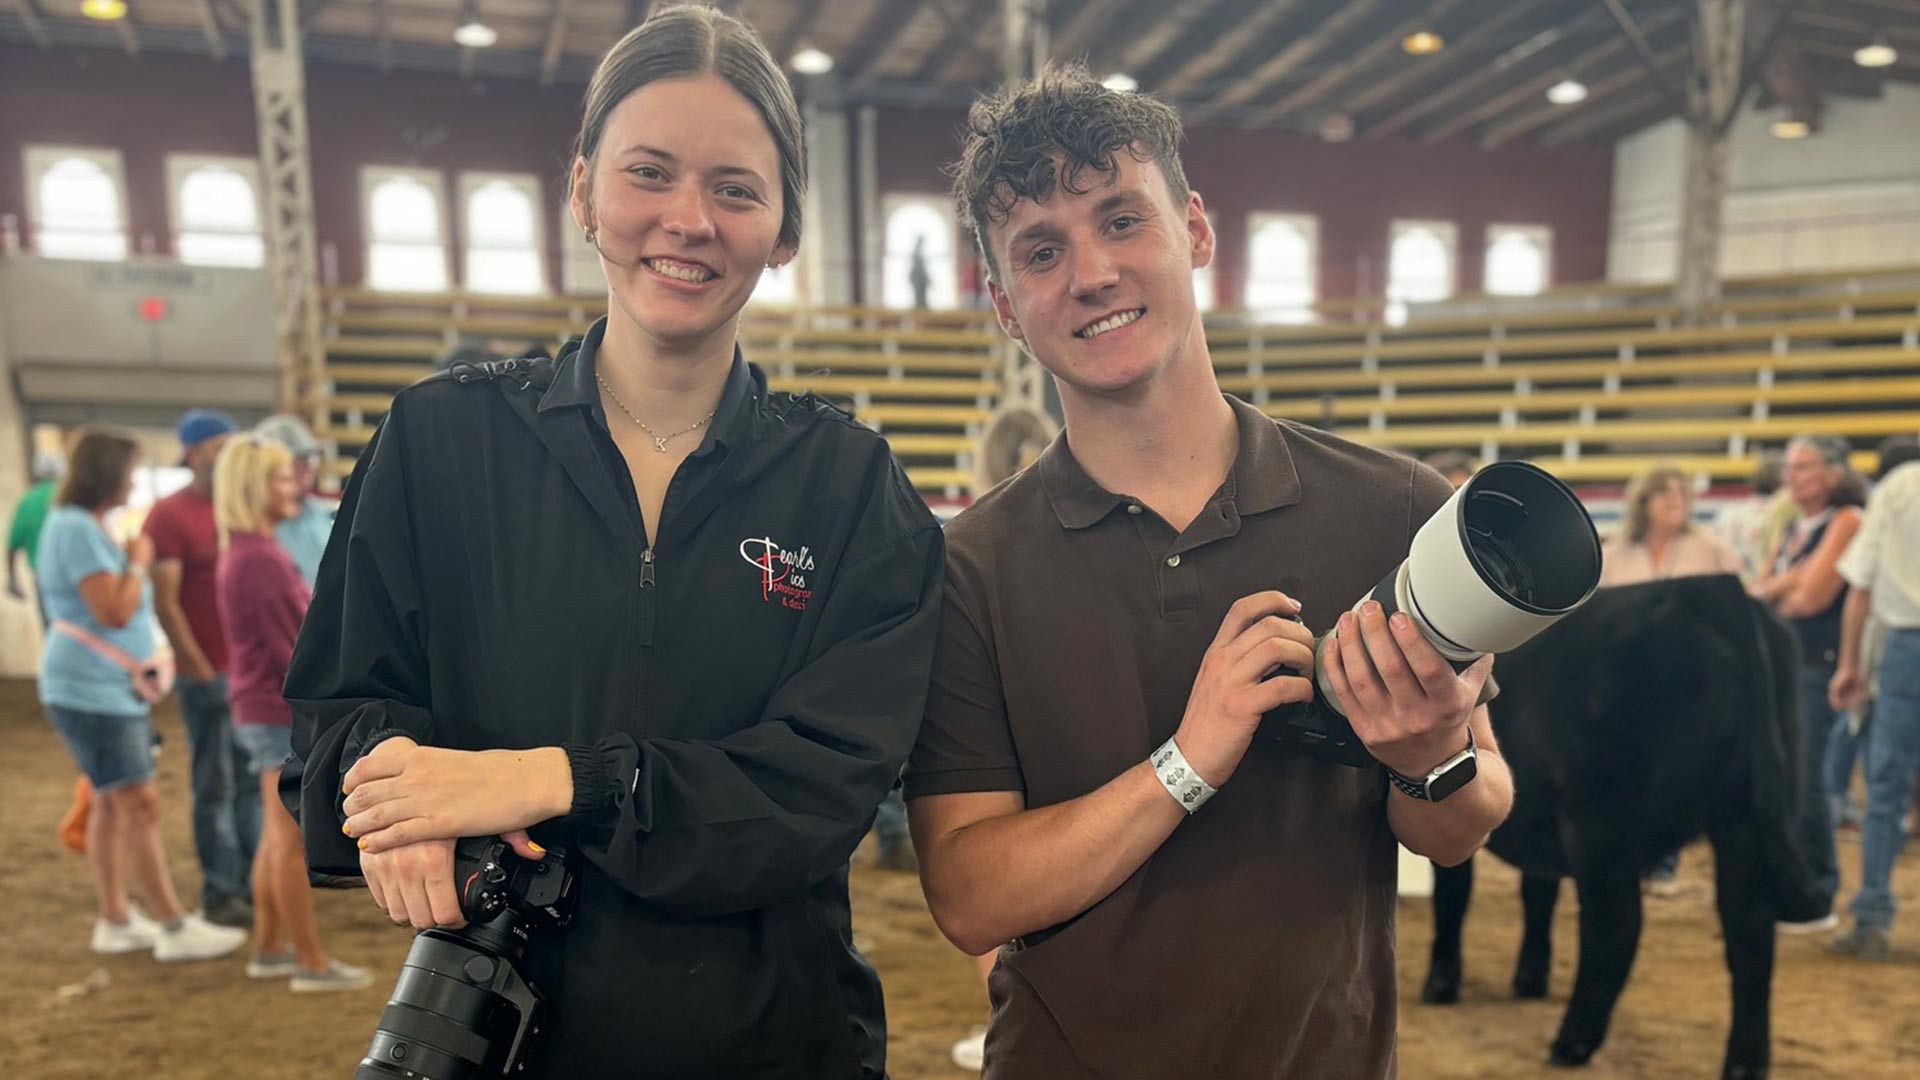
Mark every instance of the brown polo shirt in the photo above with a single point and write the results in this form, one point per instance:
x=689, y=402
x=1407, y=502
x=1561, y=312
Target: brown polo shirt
x=1258, y=940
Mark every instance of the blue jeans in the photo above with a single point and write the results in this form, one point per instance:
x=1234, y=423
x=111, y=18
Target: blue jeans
x=1844, y=749
x=1893, y=754
x=226, y=800
x=1815, y=827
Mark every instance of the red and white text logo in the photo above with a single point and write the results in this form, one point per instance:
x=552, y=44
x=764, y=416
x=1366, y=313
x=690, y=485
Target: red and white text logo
x=783, y=573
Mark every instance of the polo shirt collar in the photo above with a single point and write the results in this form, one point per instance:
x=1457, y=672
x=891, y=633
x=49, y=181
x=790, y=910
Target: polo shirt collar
x=574, y=385
x=1263, y=476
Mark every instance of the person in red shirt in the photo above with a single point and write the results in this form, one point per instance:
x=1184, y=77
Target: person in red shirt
x=226, y=812
x=262, y=599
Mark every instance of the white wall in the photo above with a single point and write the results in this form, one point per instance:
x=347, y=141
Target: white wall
x=1847, y=197
x=19, y=629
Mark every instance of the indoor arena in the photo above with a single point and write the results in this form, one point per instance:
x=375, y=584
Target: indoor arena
x=1460, y=459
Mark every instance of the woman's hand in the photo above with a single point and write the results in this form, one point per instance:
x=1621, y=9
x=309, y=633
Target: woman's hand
x=413, y=883
x=401, y=793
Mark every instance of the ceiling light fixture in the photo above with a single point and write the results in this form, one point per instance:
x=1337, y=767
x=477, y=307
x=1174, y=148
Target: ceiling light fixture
x=471, y=32
x=1423, y=43
x=1791, y=129
x=1567, y=92
x=1877, y=55
x=104, y=10
x=1121, y=82
x=811, y=61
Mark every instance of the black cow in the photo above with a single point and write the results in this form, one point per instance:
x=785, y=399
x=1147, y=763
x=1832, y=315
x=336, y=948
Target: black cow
x=1655, y=714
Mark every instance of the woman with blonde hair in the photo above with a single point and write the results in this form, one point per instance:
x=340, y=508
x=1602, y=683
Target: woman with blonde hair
x=1658, y=539
x=262, y=599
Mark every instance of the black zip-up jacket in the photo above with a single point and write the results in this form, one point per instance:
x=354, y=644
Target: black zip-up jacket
x=735, y=700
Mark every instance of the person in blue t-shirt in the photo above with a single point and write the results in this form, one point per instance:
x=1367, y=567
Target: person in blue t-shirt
x=100, y=605
x=304, y=536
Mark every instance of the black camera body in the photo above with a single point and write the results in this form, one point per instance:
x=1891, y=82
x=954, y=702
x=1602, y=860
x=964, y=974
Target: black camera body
x=460, y=1007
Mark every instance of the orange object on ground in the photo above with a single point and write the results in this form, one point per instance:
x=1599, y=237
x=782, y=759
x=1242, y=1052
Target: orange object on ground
x=73, y=825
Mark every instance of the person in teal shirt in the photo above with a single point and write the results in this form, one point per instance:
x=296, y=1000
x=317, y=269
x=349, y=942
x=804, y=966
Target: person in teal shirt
x=303, y=536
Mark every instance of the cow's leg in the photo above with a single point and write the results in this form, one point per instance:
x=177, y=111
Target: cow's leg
x=1609, y=891
x=1743, y=893
x=1538, y=896
x=1452, y=891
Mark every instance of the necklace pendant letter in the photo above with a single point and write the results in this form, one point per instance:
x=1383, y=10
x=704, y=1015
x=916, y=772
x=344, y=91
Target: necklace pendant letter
x=659, y=445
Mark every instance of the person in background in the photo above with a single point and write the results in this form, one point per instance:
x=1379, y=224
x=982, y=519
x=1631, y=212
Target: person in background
x=262, y=601
x=1742, y=524
x=226, y=812
x=1658, y=540
x=1883, y=568
x=304, y=535
x=101, y=610
x=1457, y=466
x=23, y=532
x=1803, y=585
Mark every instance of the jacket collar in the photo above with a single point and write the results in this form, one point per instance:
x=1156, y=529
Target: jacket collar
x=574, y=386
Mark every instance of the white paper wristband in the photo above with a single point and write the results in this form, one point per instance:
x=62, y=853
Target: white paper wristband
x=1178, y=777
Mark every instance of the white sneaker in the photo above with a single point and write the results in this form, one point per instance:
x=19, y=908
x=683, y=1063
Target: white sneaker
x=1822, y=925
x=337, y=976
x=971, y=1052
x=197, y=939
x=137, y=934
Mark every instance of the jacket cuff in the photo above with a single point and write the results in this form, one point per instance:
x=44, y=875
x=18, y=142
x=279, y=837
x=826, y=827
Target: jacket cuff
x=600, y=778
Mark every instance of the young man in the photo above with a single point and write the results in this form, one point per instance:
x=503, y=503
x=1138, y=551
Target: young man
x=186, y=545
x=1119, y=617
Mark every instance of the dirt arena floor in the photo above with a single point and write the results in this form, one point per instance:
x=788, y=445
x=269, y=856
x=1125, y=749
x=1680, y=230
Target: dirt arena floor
x=1831, y=1018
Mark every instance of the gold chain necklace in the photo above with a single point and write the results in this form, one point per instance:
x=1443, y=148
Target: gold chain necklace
x=659, y=441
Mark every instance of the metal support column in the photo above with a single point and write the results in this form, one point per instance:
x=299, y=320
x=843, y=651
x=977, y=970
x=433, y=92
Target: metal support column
x=280, y=109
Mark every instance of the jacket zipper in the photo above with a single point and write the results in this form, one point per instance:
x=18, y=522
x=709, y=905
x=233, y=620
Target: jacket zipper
x=646, y=569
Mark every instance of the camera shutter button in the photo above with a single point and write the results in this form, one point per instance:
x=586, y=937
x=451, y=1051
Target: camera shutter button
x=478, y=969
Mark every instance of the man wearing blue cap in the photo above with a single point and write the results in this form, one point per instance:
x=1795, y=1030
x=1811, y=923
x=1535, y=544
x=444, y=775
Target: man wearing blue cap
x=186, y=546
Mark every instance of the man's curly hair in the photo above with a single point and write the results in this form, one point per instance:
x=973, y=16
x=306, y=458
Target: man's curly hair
x=1013, y=137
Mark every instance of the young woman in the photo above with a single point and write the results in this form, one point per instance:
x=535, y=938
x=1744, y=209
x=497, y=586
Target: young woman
x=636, y=603
x=261, y=600
x=1658, y=539
x=102, y=640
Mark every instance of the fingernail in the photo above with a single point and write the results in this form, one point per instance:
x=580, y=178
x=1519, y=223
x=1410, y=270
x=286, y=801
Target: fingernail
x=1400, y=620
x=344, y=831
x=537, y=849
x=1371, y=608
x=362, y=843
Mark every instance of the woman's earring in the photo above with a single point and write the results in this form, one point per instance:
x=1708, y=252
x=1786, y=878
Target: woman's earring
x=591, y=239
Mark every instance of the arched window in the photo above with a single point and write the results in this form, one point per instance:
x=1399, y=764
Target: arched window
x=503, y=234
x=77, y=203
x=1517, y=259
x=216, y=213
x=919, y=241
x=406, y=244
x=1281, y=279
x=1419, y=265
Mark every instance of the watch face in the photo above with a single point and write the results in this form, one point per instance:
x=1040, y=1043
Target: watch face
x=1453, y=779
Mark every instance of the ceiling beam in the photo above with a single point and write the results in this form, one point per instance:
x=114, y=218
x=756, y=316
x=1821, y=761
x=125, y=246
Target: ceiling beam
x=1204, y=30
x=30, y=15
x=1071, y=39
x=1490, y=74
x=1417, y=69
x=1580, y=65
x=1864, y=29
x=799, y=29
x=1383, y=46
x=1641, y=107
x=1628, y=78
x=1638, y=39
x=556, y=40
x=1300, y=50
x=1241, y=42
x=878, y=36
x=1893, y=8
x=1123, y=23
x=962, y=39
x=209, y=25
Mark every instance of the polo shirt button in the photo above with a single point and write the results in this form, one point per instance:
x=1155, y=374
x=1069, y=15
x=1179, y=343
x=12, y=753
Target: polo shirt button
x=1173, y=560
x=1133, y=508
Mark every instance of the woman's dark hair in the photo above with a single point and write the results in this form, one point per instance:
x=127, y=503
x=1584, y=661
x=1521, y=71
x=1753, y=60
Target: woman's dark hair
x=696, y=40
x=97, y=467
x=1013, y=137
x=1895, y=451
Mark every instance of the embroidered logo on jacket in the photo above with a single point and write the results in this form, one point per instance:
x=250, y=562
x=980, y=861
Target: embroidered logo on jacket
x=783, y=573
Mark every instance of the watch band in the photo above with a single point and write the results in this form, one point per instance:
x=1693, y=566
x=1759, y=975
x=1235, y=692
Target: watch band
x=1178, y=777
x=1417, y=789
